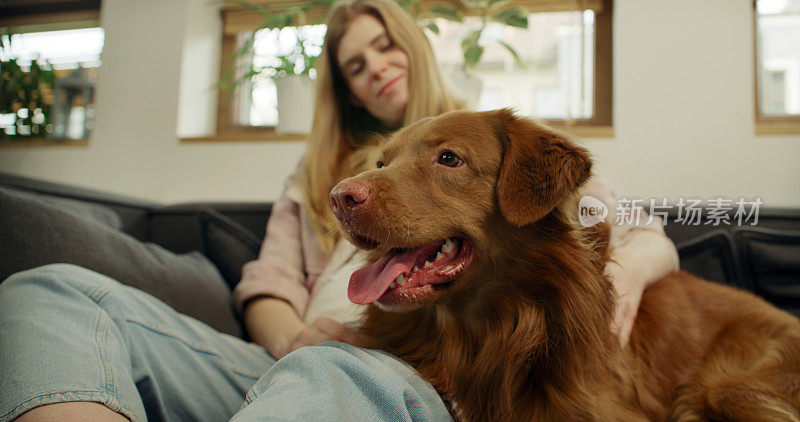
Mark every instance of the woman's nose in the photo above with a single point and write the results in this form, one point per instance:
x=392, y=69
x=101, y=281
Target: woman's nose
x=376, y=65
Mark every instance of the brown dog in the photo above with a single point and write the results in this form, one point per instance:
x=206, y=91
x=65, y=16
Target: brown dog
x=485, y=284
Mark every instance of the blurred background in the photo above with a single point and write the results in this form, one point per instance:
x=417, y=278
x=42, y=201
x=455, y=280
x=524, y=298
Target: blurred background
x=182, y=100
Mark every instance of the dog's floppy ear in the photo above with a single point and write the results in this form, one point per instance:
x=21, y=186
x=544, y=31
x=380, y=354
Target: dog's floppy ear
x=540, y=168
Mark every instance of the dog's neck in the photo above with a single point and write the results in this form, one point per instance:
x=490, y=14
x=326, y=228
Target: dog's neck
x=536, y=322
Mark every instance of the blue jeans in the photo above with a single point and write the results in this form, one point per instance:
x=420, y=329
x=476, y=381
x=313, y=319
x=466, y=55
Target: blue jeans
x=69, y=334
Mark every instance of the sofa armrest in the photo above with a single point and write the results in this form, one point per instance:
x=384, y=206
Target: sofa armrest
x=223, y=232
x=180, y=228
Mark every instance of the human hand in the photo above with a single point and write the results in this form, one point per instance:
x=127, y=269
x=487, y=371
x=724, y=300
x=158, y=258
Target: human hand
x=640, y=261
x=321, y=330
x=629, y=295
x=274, y=324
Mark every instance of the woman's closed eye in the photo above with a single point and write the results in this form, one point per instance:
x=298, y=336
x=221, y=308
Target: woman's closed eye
x=355, y=68
x=385, y=44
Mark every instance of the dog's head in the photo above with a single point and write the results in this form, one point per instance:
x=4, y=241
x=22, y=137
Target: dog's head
x=446, y=192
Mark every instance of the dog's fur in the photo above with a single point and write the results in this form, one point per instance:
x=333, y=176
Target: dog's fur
x=524, y=333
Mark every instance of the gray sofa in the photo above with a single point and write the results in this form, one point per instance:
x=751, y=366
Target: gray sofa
x=190, y=255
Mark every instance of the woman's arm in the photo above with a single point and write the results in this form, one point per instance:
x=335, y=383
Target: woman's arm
x=641, y=254
x=637, y=263
x=273, y=292
x=280, y=270
x=274, y=324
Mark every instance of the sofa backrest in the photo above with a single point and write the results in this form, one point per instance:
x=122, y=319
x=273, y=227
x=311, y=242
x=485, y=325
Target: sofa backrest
x=132, y=212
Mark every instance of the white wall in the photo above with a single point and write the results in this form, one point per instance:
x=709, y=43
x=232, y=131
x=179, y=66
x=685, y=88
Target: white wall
x=683, y=107
x=153, y=77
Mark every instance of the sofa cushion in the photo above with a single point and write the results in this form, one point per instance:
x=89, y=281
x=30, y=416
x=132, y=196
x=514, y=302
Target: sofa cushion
x=771, y=264
x=228, y=245
x=36, y=233
x=86, y=210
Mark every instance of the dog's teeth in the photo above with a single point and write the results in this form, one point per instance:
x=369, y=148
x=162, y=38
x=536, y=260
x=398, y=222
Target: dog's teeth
x=400, y=280
x=448, y=246
x=439, y=255
x=427, y=264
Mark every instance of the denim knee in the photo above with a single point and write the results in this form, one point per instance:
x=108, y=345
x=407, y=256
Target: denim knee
x=58, y=345
x=337, y=381
x=71, y=334
x=60, y=280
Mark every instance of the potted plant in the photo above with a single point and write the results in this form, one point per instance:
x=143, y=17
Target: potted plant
x=472, y=43
x=295, y=89
x=487, y=11
x=23, y=95
x=291, y=70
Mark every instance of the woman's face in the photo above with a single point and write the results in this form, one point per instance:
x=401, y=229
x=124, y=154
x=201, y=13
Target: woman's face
x=376, y=70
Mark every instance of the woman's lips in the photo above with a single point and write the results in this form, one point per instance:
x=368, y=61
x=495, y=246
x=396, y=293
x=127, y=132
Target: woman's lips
x=389, y=86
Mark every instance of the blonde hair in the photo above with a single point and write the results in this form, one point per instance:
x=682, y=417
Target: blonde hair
x=342, y=134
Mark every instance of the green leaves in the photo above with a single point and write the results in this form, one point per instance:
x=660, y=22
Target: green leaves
x=293, y=63
x=512, y=17
x=498, y=3
x=472, y=51
x=24, y=90
x=513, y=53
x=472, y=55
x=475, y=4
x=407, y=4
x=470, y=46
x=280, y=20
x=278, y=16
x=433, y=27
x=446, y=12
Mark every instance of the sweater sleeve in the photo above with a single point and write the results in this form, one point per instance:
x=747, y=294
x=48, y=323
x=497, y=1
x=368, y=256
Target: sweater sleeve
x=279, y=270
x=634, y=220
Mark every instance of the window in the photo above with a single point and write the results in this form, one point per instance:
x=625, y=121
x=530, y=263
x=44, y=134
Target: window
x=64, y=107
x=777, y=66
x=49, y=62
x=564, y=78
x=556, y=78
x=257, y=97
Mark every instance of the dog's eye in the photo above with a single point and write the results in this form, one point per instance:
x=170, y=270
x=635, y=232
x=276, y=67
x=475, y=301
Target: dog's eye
x=449, y=159
x=380, y=164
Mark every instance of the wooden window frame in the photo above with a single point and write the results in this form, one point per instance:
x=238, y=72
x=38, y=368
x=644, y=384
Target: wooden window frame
x=16, y=13
x=767, y=125
x=601, y=124
x=236, y=20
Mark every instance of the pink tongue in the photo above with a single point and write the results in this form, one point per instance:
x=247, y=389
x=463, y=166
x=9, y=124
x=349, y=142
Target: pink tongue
x=371, y=282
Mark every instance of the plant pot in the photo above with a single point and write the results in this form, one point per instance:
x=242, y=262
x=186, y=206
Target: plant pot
x=469, y=87
x=295, y=104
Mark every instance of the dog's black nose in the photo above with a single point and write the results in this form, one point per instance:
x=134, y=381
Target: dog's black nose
x=347, y=197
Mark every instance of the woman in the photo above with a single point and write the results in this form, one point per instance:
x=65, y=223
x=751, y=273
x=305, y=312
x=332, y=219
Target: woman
x=364, y=87
x=78, y=345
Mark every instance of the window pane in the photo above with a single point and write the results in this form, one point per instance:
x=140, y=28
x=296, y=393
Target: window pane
x=557, y=49
x=258, y=98
x=63, y=49
x=60, y=109
x=556, y=82
x=778, y=51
